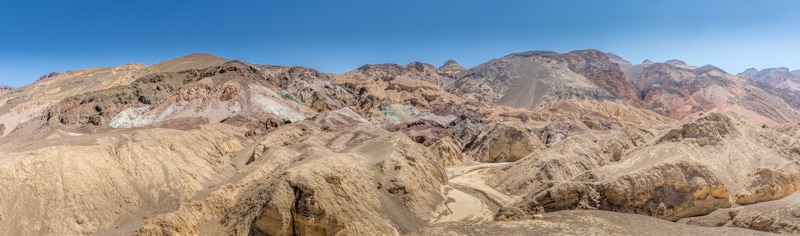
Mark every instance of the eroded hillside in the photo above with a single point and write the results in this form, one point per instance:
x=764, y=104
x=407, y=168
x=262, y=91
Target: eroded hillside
x=201, y=145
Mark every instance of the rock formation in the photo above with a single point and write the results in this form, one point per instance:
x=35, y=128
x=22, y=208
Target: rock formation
x=680, y=91
x=452, y=69
x=691, y=169
x=528, y=79
x=505, y=142
x=201, y=145
x=780, y=216
x=778, y=81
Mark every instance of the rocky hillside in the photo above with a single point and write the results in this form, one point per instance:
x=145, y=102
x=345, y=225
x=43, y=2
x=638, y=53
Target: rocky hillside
x=201, y=145
x=682, y=91
x=452, y=69
x=631, y=71
x=530, y=79
x=698, y=162
x=779, y=81
x=775, y=77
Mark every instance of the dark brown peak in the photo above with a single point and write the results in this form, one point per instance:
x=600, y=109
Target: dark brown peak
x=452, y=69
x=6, y=88
x=419, y=66
x=236, y=63
x=238, y=67
x=48, y=75
x=451, y=64
x=676, y=62
x=299, y=71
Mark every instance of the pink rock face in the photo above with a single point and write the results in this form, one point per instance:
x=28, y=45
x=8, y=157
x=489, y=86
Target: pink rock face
x=680, y=92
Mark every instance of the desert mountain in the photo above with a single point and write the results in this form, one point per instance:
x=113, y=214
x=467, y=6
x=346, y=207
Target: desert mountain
x=779, y=81
x=414, y=70
x=452, y=69
x=682, y=91
x=530, y=79
x=631, y=71
x=201, y=145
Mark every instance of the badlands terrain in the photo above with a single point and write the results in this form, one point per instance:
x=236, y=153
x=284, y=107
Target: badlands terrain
x=532, y=143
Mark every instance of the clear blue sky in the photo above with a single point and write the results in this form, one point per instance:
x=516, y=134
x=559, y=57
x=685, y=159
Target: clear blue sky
x=37, y=37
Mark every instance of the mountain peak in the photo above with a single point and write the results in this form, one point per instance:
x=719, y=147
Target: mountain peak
x=452, y=69
x=191, y=61
x=749, y=73
x=450, y=62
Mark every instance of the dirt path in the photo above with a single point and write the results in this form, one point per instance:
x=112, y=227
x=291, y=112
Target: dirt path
x=463, y=206
x=471, y=175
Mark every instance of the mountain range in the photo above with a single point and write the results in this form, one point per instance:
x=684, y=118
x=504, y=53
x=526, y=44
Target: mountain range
x=583, y=142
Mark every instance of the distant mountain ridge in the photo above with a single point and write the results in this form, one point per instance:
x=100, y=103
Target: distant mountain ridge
x=682, y=91
x=779, y=81
x=529, y=79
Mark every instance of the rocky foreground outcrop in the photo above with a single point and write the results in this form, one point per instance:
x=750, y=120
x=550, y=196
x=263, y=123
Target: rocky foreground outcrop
x=452, y=69
x=301, y=179
x=780, y=216
x=505, y=142
x=692, y=169
x=78, y=184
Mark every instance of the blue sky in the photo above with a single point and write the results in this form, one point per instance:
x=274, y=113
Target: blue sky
x=37, y=37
